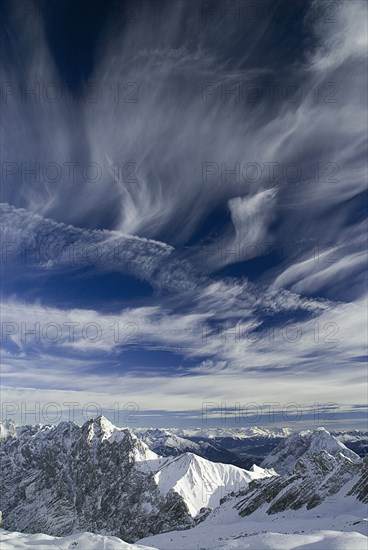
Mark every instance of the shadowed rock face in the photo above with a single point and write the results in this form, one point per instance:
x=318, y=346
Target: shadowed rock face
x=66, y=479
x=360, y=489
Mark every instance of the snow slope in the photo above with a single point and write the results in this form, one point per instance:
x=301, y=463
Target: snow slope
x=237, y=538
x=314, y=540
x=339, y=524
x=83, y=541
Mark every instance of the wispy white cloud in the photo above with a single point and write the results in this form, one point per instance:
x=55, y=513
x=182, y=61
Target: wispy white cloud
x=327, y=343
x=35, y=241
x=306, y=277
x=345, y=38
x=168, y=137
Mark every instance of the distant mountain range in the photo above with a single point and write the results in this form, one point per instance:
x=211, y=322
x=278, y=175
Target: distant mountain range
x=242, y=447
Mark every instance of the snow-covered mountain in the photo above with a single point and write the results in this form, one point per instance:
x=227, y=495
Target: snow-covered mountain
x=314, y=467
x=166, y=442
x=321, y=504
x=100, y=478
x=67, y=479
x=63, y=479
x=201, y=483
x=239, y=432
x=305, y=444
x=7, y=428
x=315, y=480
x=356, y=440
x=242, y=447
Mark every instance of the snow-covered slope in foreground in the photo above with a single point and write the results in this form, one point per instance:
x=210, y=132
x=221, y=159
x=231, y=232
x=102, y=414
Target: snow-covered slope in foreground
x=315, y=540
x=238, y=540
x=334, y=525
x=10, y=540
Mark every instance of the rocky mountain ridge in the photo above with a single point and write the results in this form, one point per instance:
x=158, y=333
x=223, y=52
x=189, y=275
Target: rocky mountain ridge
x=63, y=479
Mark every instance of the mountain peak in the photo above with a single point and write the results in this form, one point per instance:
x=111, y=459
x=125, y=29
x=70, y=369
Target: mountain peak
x=203, y=483
x=103, y=423
x=303, y=445
x=7, y=428
x=99, y=427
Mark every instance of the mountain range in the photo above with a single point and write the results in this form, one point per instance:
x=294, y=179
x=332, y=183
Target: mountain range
x=65, y=478
x=97, y=478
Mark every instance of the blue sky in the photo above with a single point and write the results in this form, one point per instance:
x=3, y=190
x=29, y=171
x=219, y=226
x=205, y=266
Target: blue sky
x=184, y=210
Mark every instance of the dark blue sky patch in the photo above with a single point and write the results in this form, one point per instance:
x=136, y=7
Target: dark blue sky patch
x=106, y=293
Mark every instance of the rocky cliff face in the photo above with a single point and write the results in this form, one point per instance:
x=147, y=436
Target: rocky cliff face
x=64, y=479
x=315, y=468
x=360, y=488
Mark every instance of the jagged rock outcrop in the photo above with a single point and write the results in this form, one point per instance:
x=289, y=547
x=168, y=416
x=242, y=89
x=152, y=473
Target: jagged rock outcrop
x=360, y=489
x=320, y=469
